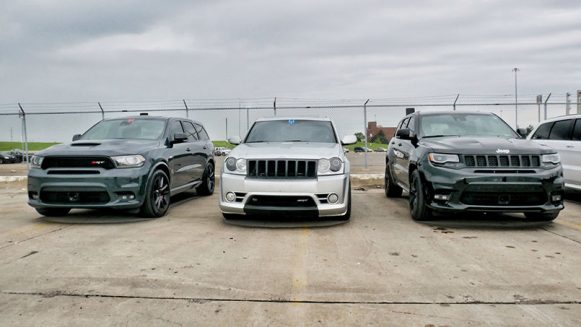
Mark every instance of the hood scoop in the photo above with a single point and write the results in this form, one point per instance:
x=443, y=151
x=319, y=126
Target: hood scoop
x=85, y=144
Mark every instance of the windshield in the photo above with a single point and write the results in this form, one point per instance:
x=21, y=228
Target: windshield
x=464, y=125
x=292, y=131
x=129, y=128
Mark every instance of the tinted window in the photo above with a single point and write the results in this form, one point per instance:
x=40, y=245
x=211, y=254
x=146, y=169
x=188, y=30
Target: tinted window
x=201, y=132
x=292, y=130
x=561, y=130
x=190, y=131
x=465, y=125
x=542, y=132
x=127, y=128
x=411, y=123
x=577, y=131
x=176, y=127
x=404, y=124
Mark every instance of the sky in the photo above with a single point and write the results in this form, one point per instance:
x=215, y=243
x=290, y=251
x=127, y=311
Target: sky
x=129, y=51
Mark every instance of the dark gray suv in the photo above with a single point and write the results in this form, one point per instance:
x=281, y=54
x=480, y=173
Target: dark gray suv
x=126, y=163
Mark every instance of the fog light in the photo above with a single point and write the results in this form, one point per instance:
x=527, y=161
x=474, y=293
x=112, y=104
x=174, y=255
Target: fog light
x=333, y=198
x=556, y=197
x=230, y=196
x=442, y=197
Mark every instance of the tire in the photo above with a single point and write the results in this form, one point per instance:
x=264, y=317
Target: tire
x=53, y=212
x=417, y=198
x=209, y=181
x=541, y=216
x=347, y=215
x=157, y=196
x=392, y=190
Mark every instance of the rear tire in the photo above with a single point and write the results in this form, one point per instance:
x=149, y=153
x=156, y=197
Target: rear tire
x=53, y=212
x=417, y=198
x=209, y=181
x=392, y=190
x=157, y=196
x=541, y=216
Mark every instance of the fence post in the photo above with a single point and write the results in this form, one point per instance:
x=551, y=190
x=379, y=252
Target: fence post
x=25, y=134
x=102, y=111
x=187, y=109
x=454, y=105
x=365, y=129
x=547, y=100
x=567, y=103
x=274, y=105
x=247, y=119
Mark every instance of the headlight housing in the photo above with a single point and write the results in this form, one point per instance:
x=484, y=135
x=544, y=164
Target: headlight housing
x=131, y=161
x=331, y=166
x=442, y=158
x=36, y=162
x=553, y=158
x=235, y=166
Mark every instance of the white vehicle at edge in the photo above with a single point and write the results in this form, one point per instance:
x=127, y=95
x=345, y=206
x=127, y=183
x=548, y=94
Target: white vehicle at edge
x=288, y=167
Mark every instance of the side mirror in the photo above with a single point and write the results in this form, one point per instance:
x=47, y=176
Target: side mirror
x=234, y=140
x=76, y=137
x=404, y=134
x=349, y=139
x=179, y=138
x=522, y=132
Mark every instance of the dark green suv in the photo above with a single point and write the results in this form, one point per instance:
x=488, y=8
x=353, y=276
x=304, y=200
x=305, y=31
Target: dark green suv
x=461, y=161
x=127, y=163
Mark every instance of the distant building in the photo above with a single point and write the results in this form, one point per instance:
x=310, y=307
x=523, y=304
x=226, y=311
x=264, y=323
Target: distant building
x=373, y=129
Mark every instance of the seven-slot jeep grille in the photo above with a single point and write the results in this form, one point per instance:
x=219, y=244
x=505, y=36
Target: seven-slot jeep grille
x=283, y=168
x=502, y=160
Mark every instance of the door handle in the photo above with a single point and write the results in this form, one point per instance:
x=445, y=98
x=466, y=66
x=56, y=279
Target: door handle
x=399, y=144
x=569, y=146
x=205, y=147
x=188, y=149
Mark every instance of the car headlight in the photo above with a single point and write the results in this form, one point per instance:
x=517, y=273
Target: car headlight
x=131, y=161
x=442, y=158
x=36, y=162
x=553, y=158
x=330, y=166
x=235, y=166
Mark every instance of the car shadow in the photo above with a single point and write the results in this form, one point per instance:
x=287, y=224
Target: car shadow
x=484, y=221
x=112, y=216
x=284, y=222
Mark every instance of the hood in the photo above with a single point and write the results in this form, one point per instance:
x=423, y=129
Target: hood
x=101, y=148
x=485, y=145
x=290, y=150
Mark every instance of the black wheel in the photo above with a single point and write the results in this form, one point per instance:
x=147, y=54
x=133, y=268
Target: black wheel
x=392, y=190
x=418, y=208
x=209, y=181
x=157, y=196
x=53, y=212
x=541, y=216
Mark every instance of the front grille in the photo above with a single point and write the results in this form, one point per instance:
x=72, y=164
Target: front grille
x=73, y=172
x=281, y=201
x=57, y=197
x=77, y=162
x=502, y=161
x=506, y=199
x=282, y=168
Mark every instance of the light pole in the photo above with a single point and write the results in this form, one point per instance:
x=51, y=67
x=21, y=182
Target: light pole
x=515, y=70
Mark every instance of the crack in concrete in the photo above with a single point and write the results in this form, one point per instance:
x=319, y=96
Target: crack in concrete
x=34, y=237
x=563, y=236
x=204, y=300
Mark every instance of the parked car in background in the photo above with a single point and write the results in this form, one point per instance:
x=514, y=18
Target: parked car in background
x=123, y=163
x=6, y=158
x=380, y=150
x=465, y=161
x=219, y=151
x=564, y=135
x=362, y=149
x=345, y=149
x=288, y=167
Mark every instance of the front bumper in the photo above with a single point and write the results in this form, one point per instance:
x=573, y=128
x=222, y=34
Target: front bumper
x=109, y=189
x=285, y=197
x=493, y=192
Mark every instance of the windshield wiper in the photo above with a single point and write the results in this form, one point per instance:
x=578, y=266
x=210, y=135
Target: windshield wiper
x=295, y=141
x=440, y=135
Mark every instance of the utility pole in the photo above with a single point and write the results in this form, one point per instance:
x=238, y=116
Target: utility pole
x=187, y=109
x=515, y=70
x=11, y=134
x=226, y=129
x=454, y=105
x=239, y=118
x=567, y=103
x=365, y=129
x=547, y=100
x=25, y=133
x=539, y=102
x=247, y=118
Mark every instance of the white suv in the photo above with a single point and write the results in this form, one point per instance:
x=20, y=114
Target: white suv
x=564, y=135
x=288, y=167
